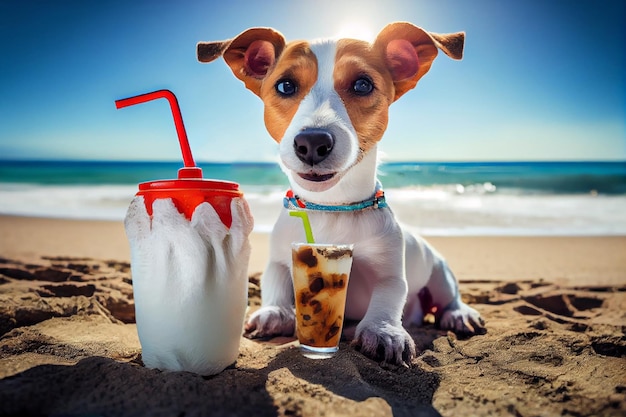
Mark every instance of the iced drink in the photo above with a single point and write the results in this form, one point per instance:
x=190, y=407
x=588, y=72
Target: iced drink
x=320, y=282
x=189, y=247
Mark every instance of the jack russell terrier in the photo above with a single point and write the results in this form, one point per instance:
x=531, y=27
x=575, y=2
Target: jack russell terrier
x=326, y=104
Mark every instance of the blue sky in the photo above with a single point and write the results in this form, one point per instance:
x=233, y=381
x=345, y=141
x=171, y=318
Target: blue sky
x=541, y=80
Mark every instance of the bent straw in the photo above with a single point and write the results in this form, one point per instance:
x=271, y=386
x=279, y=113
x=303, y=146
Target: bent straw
x=178, y=119
x=305, y=221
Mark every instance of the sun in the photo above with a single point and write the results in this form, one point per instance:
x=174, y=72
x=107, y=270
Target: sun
x=356, y=30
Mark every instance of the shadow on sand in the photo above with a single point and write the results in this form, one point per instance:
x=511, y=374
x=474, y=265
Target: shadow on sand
x=288, y=384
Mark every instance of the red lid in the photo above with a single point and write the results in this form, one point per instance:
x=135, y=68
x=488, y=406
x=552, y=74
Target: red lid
x=189, y=190
x=187, y=195
x=189, y=184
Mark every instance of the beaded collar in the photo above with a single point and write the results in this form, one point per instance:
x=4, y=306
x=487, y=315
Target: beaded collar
x=293, y=202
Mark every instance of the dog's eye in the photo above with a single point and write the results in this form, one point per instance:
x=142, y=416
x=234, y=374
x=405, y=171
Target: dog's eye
x=286, y=87
x=362, y=87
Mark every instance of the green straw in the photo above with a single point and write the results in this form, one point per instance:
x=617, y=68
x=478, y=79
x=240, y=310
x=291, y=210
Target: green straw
x=305, y=221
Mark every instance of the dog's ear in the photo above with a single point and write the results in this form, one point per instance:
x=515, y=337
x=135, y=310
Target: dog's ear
x=250, y=55
x=409, y=51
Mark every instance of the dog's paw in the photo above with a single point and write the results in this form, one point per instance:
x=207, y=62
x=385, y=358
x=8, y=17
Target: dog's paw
x=271, y=321
x=385, y=342
x=462, y=319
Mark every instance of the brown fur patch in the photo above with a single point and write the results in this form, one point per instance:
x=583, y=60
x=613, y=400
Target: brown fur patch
x=369, y=113
x=299, y=64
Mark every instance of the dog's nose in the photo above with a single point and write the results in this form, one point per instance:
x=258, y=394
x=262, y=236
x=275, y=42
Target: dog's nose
x=312, y=146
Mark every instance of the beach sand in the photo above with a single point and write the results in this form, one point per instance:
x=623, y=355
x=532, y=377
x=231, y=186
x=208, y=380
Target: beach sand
x=555, y=309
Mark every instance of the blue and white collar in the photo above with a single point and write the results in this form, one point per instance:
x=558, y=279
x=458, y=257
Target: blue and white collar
x=293, y=202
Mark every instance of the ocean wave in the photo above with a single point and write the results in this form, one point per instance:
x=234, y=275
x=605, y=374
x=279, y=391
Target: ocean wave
x=93, y=202
x=513, y=177
x=449, y=209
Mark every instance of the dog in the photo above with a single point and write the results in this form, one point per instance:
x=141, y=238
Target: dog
x=326, y=104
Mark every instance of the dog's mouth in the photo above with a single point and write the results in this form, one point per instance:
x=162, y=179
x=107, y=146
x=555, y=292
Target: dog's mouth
x=316, y=177
x=312, y=181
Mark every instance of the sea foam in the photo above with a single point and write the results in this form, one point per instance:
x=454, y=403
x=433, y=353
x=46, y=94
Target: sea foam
x=432, y=210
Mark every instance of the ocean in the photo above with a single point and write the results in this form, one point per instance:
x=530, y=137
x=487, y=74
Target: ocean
x=431, y=198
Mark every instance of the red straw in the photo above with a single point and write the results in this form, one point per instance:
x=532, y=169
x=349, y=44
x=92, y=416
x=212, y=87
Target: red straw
x=178, y=119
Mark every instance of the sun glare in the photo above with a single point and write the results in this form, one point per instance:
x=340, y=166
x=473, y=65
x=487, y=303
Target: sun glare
x=354, y=30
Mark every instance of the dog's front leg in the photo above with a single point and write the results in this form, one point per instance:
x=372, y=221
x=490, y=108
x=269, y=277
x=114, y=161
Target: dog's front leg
x=276, y=316
x=380, y=334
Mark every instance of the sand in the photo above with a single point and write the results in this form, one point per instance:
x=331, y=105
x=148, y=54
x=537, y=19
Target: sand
x=555, y=309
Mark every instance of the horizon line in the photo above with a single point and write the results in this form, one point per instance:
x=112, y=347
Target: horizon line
x=268, y=162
